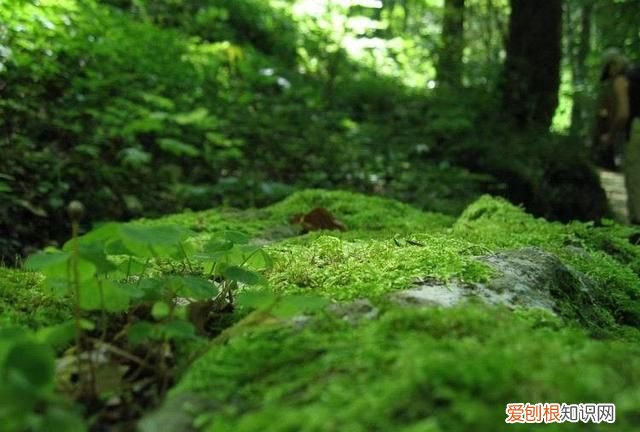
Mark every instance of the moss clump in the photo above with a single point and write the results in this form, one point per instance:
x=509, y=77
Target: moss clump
x=346, y=269
x=361, y=212
x=389, y=245
x=216, y=221
x=24, y=304
x=412, y=370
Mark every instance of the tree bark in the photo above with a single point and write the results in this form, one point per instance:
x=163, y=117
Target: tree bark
x=579, y=50
x=531, y=74
x=450, y=61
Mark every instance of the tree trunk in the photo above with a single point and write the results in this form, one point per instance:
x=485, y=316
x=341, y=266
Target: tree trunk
x=531, y=74
x=579, y=50
x=450, y=60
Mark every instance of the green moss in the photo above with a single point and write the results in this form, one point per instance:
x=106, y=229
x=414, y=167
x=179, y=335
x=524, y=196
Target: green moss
x=216, y=221
x=374, y=257
x=24, y=304
x=346, y=269
x=377, y=216
x=412, y=370
x=361, y=212
x=605, y=254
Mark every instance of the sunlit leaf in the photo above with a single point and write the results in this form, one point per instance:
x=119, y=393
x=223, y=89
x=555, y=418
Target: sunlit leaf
x=197, y=116
x=160, y=310
x=178, y=148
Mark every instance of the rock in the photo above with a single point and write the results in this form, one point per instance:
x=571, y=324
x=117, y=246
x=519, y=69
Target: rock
x=528, y=278
x=354, y=311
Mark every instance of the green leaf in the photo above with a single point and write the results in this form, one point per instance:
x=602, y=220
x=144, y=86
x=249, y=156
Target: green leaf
x=237, y=237
x=57, y=336
x=141, y=331
x=158, y=101
x=256, y=299
x=96, y=294
x=197, y=288
x=57, y=265
x=57, y=286
x=217, y=246
x=103, y=233
x=259, y=259
x=151, y=289
x=178, y=148
x=45, y=260
x=58, y=419
x=195, y=117
x=31, y=363
x=178, y=329
x=244, y=276
x=131, y=266
x=160, y=310
x=296, y=304
x=85, y=324
x=214, y=250
x=94, y=253
x=135, y=157
x=146, y=240
x=116, y=297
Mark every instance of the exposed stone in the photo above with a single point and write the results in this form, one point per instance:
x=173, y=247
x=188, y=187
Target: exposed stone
x=355, y=311
x=529, y=278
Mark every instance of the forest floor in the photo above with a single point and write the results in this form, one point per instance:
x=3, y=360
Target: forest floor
x=613, y=185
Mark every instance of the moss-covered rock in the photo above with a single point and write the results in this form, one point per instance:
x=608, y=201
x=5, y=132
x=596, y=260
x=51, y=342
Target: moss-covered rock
x=411, y=370
x=429, y=369
x=407, y=368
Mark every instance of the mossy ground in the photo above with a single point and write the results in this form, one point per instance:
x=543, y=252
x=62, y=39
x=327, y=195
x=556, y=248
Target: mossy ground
x=419, y=370
x=24, y=304
x=412, y=370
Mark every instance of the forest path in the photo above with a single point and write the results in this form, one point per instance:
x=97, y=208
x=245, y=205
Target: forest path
x=613, y=185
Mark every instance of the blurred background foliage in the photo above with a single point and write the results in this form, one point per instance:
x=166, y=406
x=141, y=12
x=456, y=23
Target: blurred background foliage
x=140, y=108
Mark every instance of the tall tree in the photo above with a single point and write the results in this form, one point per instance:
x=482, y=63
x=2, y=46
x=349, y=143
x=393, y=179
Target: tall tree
x=450, y=60
x=578, y=17
x=531, y=75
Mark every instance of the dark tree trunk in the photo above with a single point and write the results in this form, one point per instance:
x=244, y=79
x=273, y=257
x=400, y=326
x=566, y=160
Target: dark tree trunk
x=450, y=61
x=531, y=77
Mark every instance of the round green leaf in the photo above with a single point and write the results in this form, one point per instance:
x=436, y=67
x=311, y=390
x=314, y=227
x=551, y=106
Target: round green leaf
x=160, y=310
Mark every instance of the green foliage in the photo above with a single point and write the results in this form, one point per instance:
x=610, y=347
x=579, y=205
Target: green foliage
x=150, y=108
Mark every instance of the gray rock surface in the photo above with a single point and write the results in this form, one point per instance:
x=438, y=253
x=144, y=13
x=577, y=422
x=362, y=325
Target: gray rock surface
x=528, y=278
